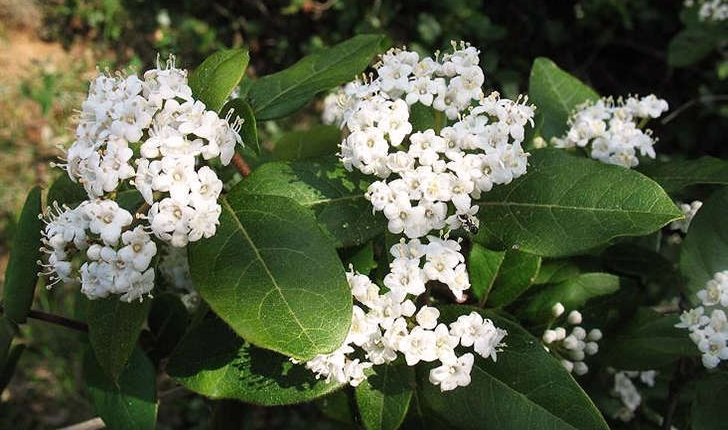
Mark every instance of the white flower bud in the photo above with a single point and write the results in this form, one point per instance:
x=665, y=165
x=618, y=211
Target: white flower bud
x=560, y=333
x=579, y=333
x=570, y=342
x=580, y=368
x=557, y=310
x=577, y=355
x=548, y=336
x=595, y=335
x=591, y=348
x=574, y=317
x=568, y=365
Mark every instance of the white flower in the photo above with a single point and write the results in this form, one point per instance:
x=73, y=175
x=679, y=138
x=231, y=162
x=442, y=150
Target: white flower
x=139, y=249
x=107, y=219
x=453, y=375
x=419, y=345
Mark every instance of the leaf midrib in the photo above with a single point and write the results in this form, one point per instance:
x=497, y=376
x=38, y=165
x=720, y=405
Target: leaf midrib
x=270, y=275
x=575, y=208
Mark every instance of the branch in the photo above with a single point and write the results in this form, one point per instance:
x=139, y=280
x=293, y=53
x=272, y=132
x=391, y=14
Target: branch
x=241, y=165
x=92, y=424
x=56, y=319
x=688, y=104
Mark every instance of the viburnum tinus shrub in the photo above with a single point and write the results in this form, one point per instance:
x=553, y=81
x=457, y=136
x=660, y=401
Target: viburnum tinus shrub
x=435, y=254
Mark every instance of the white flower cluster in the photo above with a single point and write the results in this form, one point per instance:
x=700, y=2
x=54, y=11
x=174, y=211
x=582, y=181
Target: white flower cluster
x=710, y=10
x=175, y=269
x=428, y=178
x=158, y=118
x=117, y=259
x=385, y=324
x=710, y=333
x=627, y=392
x=689, y=210
x=613, y=130
x=571, y=349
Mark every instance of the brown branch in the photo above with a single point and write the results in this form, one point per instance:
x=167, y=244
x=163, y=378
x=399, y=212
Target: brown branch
x=241, y=165
x=56, y=319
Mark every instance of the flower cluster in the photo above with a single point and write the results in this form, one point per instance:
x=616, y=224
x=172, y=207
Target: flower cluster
x=429, y=177
x=384, y=325
x=157, y=118
x=614, y=130
x=710, y=333
x=175, y=270
x=710, y=10
x=571, y=349
x=117, y=259
x=689, y=210
x=627, y=392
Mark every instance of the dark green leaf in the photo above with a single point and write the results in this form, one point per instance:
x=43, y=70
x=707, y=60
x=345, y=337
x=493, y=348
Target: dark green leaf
x=711, y=398
x=384, y=397
x=525, y=389
x=10, y=364
x=676, y=175
x=213, y=361
x=567, y=204
x=690, y=46
x=650, y=340
x=282, y=93
x=517, y=273
x=168, y=321
x=322, y=185
x=337, y=406
x=113, y=330
x=249, y=129
x=217, y=76
x=422, y=117
x=555, y=271
x=363, y=259
x=129, y=404
x=483, y=266
x=555, y=93
x=8, y=330
x=317, y=141
x=705, y=249
x=573, y=293
x=21, y=274
x=273, y=276
x=65, y=191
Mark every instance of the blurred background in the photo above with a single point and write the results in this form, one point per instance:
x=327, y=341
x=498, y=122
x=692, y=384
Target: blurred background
x=51, y=48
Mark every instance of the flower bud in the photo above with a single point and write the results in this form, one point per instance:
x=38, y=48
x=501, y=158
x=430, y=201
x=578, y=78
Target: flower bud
x=557, y=310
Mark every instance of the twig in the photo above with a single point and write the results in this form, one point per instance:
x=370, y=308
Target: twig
x=92, y=424
x=55, y=319
x=673, y=396
x=690, y=103
x=241, y=165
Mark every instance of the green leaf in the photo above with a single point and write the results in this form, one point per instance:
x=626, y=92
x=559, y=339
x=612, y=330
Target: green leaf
x=363, y=259
x=282, y=93
x=130, y=403
x=249, y=129
x=516, y=275
x=673, y=176
x=422, y=117
x=11, y=363
x=556, y=93
x=217, y=76
x=336, y=406
x=384, y=397
x=273, y=276
x=573, y=293
x=168, y=319
x=335, y=196
x=690, y=46
x=317, y=141
x=711, y=398
x=705, y=249
x=213, y=361
x=21, y=274
x=566, y=204
x=113, y=330
x=649, y=341
x=483, y=266
x=65, y=191
x=525, y=389
x=8, y=330
x=554, y=271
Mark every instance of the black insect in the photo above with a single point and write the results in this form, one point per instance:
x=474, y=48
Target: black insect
x=469, y=222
